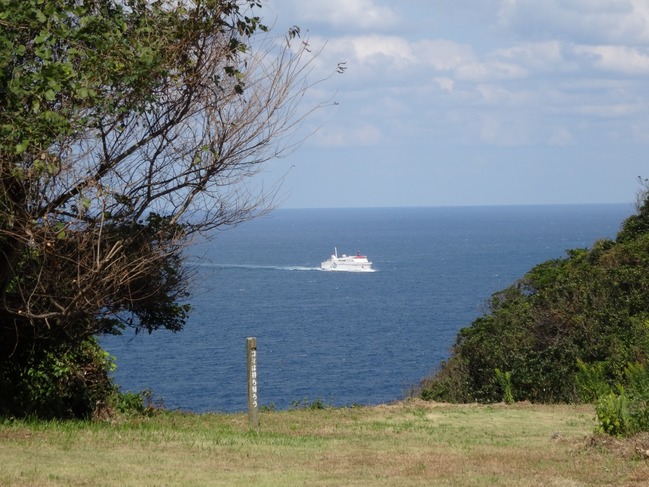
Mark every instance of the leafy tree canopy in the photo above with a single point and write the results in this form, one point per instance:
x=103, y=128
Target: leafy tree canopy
x=126, y=127
x=587, y=310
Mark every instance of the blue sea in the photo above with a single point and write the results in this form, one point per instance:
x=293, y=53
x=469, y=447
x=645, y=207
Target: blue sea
x=344, y=338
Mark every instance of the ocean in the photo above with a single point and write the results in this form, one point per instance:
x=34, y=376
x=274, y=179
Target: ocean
x=343, y=338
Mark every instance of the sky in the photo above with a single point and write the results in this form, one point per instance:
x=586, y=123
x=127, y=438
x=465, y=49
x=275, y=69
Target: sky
x=470, y=102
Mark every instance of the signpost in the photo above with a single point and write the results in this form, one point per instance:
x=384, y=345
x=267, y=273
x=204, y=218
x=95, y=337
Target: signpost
x=253, y=397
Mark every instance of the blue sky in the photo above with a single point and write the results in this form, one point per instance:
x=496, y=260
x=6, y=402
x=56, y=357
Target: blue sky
x=471, y=102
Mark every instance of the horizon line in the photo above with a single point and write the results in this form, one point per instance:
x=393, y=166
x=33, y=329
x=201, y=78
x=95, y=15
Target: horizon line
x=490, y=205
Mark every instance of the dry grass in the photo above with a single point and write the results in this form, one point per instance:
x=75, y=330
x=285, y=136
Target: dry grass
x=407, y=444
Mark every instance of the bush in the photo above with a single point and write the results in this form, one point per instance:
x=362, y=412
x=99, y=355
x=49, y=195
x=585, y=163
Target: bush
x=505, y=381
x=590, y=308
x=307, y=404
x=57, y=383
x=591, y=382
x=613, y=415
x=449, y=384
x=622, y=409
x=135, y=403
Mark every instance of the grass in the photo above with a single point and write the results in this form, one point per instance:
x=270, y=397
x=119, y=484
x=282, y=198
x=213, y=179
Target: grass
x=407, y=444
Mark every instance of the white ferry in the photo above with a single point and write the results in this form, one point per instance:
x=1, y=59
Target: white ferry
x=347, y=263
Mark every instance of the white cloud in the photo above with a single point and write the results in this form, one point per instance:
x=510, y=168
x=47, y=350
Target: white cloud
x=503, y=131
x=365, y=56
x=443, y=54
x=535, y=56
x=585, y=21
x=560, y=76
x=607, y=110
x=561, y=137
x=446, y=84
x=489, y=71
x=591, y=108
x=640, y=131
x=620, y=59
x=341, y=136
x=373, y=48
x=340, y=14
x=395, y=51
x=493, y=94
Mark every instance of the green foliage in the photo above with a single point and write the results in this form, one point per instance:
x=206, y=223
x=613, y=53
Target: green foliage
x=152, y=300
x=61, y=383
x=624, y=410
x=591, y=381
x=637, y=224
x=100, y=104
x=613, y=415
x=566, y=332
x=65, y=64
x=637, y=381
x=505, y=381
x=135, y=403
x=451, y=383
x=305, y=403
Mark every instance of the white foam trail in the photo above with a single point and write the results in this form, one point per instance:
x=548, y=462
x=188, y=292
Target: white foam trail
x=251, y=266
x=274, y=267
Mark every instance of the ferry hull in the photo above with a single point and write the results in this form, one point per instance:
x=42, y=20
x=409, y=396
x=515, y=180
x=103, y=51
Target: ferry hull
x=346, y=269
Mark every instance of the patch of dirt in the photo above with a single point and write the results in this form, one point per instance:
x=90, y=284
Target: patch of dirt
x=635, y=447
x=15, y=434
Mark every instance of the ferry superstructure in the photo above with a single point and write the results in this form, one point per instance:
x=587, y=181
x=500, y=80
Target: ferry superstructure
x=347, y=263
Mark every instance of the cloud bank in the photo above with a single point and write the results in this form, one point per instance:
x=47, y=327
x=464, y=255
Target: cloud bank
x=543, y=74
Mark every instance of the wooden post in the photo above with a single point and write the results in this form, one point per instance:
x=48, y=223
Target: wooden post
x=253, y=397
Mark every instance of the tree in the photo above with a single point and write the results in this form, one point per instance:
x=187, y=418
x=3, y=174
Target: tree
x=126, y=127
x=586, y=312
x=639, y=223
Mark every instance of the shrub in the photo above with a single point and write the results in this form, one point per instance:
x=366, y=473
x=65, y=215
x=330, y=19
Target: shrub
x=613, y=414
x=591, y=382
x=623, y=410
x=135, y=403
x=57, y=383
x=449, y=384
x=505, y=381
x=591, y=308
x=308, y=404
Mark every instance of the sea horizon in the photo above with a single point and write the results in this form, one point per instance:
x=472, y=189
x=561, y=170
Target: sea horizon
x=345, y=338
x=468, y=205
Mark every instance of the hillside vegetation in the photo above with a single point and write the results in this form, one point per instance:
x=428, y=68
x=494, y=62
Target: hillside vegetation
x=572, y=329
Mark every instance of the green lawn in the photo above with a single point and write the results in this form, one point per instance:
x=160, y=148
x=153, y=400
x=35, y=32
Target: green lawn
x=409, y=443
